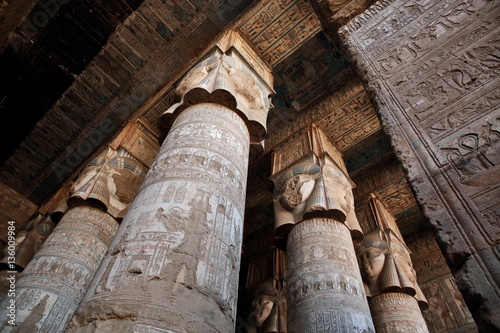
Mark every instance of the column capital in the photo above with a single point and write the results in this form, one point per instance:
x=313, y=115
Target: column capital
x=231, y=74
x=109, y=182
x=384, y=258
x=311, y=180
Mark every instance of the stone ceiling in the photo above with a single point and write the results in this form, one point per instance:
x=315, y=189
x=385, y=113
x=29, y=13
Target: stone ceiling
x=81, y=82
x=79, y=99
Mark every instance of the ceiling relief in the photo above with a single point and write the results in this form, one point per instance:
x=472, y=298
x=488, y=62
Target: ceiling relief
x=307, y=73
x=278, y=28
x=146, y=53
x=153, y=47
x=11, y=12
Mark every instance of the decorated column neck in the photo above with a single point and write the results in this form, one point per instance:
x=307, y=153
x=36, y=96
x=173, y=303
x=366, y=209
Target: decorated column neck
x=233, y=75
x=385, y=260
x=311, y=180
x=109, y=182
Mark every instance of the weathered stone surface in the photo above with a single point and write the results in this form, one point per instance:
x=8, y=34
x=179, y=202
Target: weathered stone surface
x=325, y=290
x=55, y=281
x=432, y=69
x=175, y=261
x=397, y=313
x=139, y=141
x=447, y=310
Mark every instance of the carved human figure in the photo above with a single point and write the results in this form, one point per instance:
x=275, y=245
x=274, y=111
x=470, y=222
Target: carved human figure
x=291, y=192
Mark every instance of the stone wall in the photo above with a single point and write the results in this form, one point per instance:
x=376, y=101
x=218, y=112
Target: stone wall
x=432, y=68
x=447, y=310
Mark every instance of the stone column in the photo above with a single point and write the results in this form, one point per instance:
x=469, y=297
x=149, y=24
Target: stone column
x=389, y=279
x=28, y=241
x=313, y=199
x=449, y=150
x=397, y=313
x=174, y=264
x=54, y=282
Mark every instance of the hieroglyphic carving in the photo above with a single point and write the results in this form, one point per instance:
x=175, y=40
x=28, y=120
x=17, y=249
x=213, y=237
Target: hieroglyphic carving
x=474, y=155
x=179, y=249
x=325, y=290
x=346, y=101
x=296, y=148
x=439, y=127
x=397, y=313
x=397, y=195
x=447, y=310
x=357, y=121
x=448, y=87
x=277, y=28
x=433, y=69
x=427, y=258
x=59, y=274
x=139, y=141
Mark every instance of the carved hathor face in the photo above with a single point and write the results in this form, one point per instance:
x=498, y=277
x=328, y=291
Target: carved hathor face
x=371, y=256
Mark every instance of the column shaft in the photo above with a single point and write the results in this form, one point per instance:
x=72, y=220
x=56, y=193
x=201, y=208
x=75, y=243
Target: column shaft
x=324, y=283
x=54, y=282
x=174, y=264
x=397, y=313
